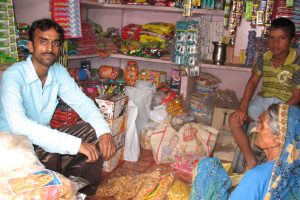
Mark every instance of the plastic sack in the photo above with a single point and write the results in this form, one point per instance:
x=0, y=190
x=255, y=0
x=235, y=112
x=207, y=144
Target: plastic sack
x=141, y=95
x=158, y=114
x=132, y=144
x=22, y=176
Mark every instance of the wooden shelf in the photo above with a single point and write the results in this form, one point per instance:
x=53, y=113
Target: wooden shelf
x=4, y=66
x=122, y=56
x=205, y=64
x=153, y=60
x=94, y=4
x=76, y=57
x=91, y=4
x=230, y=67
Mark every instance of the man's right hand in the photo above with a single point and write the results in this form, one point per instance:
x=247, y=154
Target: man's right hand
x=90, y=150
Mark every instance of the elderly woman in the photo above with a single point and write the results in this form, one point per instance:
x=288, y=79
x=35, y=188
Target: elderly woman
x=279, y=178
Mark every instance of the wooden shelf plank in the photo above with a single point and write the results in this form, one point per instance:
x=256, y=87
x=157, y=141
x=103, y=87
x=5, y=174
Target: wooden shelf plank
x=95, y=4
x=91, y=4
x=77, y=57
x=231, y=67
x=138, y=58
x=4, y=66
x=205, y=64
x=122, y=56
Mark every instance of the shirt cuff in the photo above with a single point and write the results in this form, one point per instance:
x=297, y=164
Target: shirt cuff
x=102, y=131
x=74, y=146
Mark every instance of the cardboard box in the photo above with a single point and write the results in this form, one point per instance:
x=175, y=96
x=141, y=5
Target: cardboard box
x=112, y=106
x=117, y=125
x=115, y=161
x=225, y=145
x=159, y=78
x=119, y=140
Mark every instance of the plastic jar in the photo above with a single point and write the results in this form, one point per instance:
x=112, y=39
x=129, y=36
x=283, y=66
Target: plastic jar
x=131, y=73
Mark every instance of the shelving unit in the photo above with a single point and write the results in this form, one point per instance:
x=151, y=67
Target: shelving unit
x=227, y=67
x=205, y=64
x=93, y=4
x=126, y=57
x=118, y=15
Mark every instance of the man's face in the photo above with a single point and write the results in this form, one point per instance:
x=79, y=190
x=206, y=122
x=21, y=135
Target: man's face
x=44, y=47
x=279, y=42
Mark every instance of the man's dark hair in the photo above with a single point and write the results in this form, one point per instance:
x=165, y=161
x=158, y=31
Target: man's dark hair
x=45, y=25
x=285, y=24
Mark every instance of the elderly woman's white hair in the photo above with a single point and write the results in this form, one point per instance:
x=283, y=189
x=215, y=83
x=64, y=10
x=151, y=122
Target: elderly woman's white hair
x=272, y=113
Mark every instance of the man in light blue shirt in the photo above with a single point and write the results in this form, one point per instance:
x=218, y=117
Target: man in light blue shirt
x=29, y=95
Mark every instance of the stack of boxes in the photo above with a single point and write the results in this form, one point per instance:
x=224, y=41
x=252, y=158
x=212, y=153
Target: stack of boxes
x=8, y=34
x=114, y=110
x=211, y=29
x=225, y=145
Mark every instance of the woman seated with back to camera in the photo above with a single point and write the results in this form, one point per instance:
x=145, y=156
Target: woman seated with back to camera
x=278, y=135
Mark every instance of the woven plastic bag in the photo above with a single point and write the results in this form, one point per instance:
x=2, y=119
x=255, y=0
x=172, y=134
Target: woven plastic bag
x=191, y=142
x=22, y=176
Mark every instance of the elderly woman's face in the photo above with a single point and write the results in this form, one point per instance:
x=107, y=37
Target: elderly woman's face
x=264, y=138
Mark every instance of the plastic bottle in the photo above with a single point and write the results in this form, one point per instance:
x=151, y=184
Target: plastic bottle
x=131, y=73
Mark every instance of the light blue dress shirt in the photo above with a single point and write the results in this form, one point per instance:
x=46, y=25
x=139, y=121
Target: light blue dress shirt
x=26, y=107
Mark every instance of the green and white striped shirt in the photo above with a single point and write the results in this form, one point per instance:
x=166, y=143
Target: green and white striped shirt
x=279, y=82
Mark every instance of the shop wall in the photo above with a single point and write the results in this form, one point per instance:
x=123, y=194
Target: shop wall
x=29, y=10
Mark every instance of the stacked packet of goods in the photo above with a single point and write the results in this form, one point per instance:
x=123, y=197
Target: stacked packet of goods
x=87, y=44
x=67, y=14
x=8, y=34
x=202, y=100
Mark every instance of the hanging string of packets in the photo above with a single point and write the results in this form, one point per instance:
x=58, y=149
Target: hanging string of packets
x=235, y=19
x=187, y=46
x=259, y=13
x=63, y=58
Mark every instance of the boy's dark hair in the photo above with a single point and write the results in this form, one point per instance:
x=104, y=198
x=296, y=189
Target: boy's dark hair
x=45, y=25
x=285, y=24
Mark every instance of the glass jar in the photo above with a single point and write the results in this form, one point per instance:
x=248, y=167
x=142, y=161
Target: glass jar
x=131, y=73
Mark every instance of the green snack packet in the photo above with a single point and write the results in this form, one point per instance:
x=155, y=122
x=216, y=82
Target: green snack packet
x=289, y=3
x=248, y=10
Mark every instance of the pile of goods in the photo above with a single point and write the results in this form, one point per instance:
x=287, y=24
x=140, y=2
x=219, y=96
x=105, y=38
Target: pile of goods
x=24, y=177
x=152, y=185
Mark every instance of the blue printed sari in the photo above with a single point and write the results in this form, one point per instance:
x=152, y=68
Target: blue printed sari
x=212, y=182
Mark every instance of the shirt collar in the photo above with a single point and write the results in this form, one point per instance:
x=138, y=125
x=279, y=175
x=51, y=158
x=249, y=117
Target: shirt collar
x=289, y=59
x=32, y=75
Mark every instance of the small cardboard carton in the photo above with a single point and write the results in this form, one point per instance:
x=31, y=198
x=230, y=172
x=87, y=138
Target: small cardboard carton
x=115, y=161
x=159, y=78
x=120, y=140
x=112, y=106
x=118, y=125
x=225, y=146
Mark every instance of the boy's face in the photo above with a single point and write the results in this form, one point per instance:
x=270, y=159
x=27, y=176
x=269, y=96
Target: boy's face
x=279, y=42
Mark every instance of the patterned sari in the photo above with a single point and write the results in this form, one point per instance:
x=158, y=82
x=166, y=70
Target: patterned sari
x=212, y=182
x=285, y=180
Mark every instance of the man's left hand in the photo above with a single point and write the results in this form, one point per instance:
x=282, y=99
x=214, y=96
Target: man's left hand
x=107, y=146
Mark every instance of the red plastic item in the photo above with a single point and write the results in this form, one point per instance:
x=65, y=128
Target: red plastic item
x=169, y=97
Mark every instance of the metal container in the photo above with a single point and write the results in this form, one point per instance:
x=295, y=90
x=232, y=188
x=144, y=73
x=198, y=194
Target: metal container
x=219, y=54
